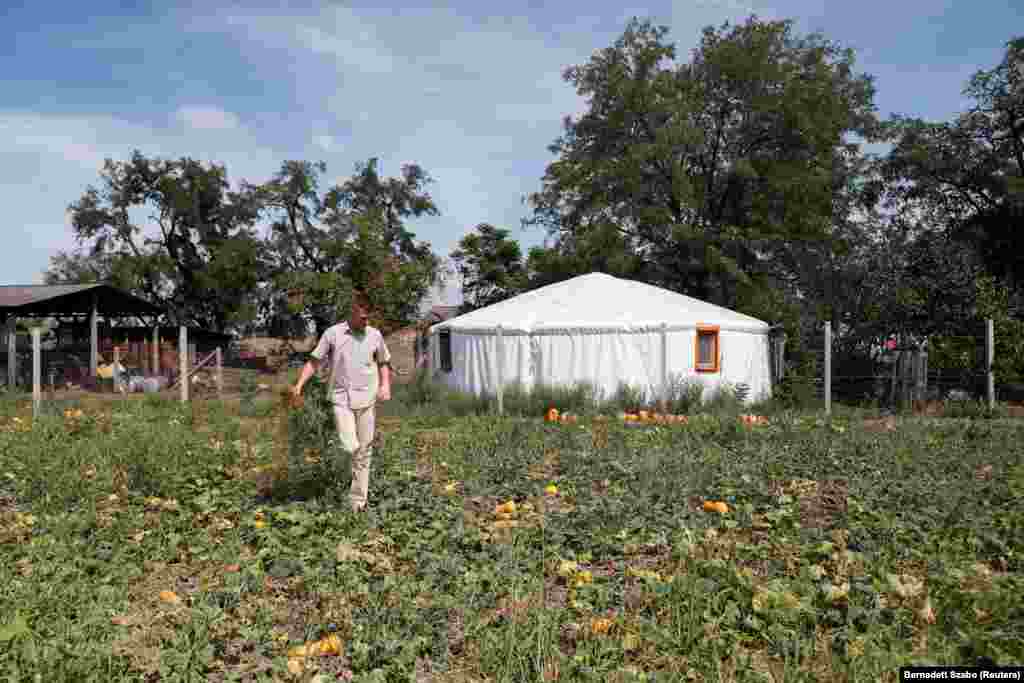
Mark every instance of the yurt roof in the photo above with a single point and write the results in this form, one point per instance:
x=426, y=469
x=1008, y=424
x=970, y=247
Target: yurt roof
x=598, y=302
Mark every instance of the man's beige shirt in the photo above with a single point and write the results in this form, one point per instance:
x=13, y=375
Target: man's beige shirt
x=354, y=362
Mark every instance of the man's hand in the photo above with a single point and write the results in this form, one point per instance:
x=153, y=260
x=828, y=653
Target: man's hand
x=296, y=392
x=384, y=394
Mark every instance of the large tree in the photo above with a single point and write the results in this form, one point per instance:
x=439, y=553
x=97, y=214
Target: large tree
x=205, y=260
x=706, y=167
x=352, y=237
x=967, y=175
x=491, y=266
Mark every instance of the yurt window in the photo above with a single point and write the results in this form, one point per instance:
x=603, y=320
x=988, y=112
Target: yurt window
x=446, y=350
x=707, y=348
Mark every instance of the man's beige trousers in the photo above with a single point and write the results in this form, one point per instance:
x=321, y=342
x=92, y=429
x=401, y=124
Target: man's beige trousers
x=355, y=431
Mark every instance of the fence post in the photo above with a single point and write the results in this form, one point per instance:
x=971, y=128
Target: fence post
x=990, y=359
x=12, y=352
x=156, y=351
x=778, y=348
x=37, y=371
x=501, y=370
x=117, y=369
x=924, y=371
x=183, y=361
x=220, y=373
x=94, y=342
x=828, y=367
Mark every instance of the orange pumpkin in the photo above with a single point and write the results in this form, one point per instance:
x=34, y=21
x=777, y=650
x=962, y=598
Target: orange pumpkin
x=715, y=506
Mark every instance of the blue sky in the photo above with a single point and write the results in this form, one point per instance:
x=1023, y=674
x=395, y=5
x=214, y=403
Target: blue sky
x=472, y=94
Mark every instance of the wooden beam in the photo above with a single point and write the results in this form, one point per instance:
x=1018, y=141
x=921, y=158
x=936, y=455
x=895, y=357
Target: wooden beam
x=94, y=342
x=37, y=389
x=183, y=361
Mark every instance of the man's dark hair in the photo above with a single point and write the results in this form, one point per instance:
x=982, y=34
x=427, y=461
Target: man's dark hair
x=362, y=299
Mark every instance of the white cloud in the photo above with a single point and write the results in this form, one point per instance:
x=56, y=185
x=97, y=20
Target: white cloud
x=207, y=118
x=324, y=142
x=51, y=160
x=360, y=53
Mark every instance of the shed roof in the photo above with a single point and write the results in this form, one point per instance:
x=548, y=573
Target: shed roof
x=45, y=300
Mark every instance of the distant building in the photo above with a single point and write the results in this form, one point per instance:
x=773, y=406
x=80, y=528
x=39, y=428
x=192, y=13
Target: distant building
x=438, y=314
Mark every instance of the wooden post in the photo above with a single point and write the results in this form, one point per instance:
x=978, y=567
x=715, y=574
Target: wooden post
x=828, y=367
x=12, y=352
x=500, y=351
x=183, y=361
x=924, y=369
x=220, y=373
x=990, y=359
x=156, y=351
x=94, y=340
x=37, y=371
x=191, y=354
x=780, y=356
x=117, y=370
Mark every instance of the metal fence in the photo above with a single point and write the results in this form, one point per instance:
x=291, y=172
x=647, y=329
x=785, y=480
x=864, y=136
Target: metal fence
x=899, y=372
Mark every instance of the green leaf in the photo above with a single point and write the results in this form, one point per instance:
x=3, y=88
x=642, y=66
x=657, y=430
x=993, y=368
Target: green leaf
x=17, y=628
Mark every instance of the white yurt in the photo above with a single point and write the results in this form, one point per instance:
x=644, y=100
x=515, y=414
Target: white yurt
x=603, y=330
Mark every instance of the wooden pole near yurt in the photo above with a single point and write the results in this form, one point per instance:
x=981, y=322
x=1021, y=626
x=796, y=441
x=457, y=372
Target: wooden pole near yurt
x=500, y=351
x=990, y=359
x=37, y=371
x=828, y=367
x=183, y=361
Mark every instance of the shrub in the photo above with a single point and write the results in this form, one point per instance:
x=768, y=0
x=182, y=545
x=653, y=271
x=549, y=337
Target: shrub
x=683, y=394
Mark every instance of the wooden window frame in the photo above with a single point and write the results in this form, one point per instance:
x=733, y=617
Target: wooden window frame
x=707, y=331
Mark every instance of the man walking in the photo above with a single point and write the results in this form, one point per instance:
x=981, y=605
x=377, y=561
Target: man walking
x=360, y=376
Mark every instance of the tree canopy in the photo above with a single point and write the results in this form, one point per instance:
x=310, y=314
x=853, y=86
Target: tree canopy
x=706, y=167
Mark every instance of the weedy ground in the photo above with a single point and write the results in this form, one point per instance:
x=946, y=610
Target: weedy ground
x=149, y=540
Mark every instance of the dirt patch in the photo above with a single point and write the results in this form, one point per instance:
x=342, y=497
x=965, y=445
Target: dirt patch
x=822, y=503
x=880, y=425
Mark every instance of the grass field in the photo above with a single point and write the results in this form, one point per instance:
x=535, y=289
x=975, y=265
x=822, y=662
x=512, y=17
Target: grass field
x=148, y=540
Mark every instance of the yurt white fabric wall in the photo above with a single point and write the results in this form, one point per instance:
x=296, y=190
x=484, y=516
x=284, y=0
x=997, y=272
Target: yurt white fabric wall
x=603, y=330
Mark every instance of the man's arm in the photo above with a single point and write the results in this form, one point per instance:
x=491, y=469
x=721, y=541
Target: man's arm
x=383, y=357
x=316, y=356
x=308, y=370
